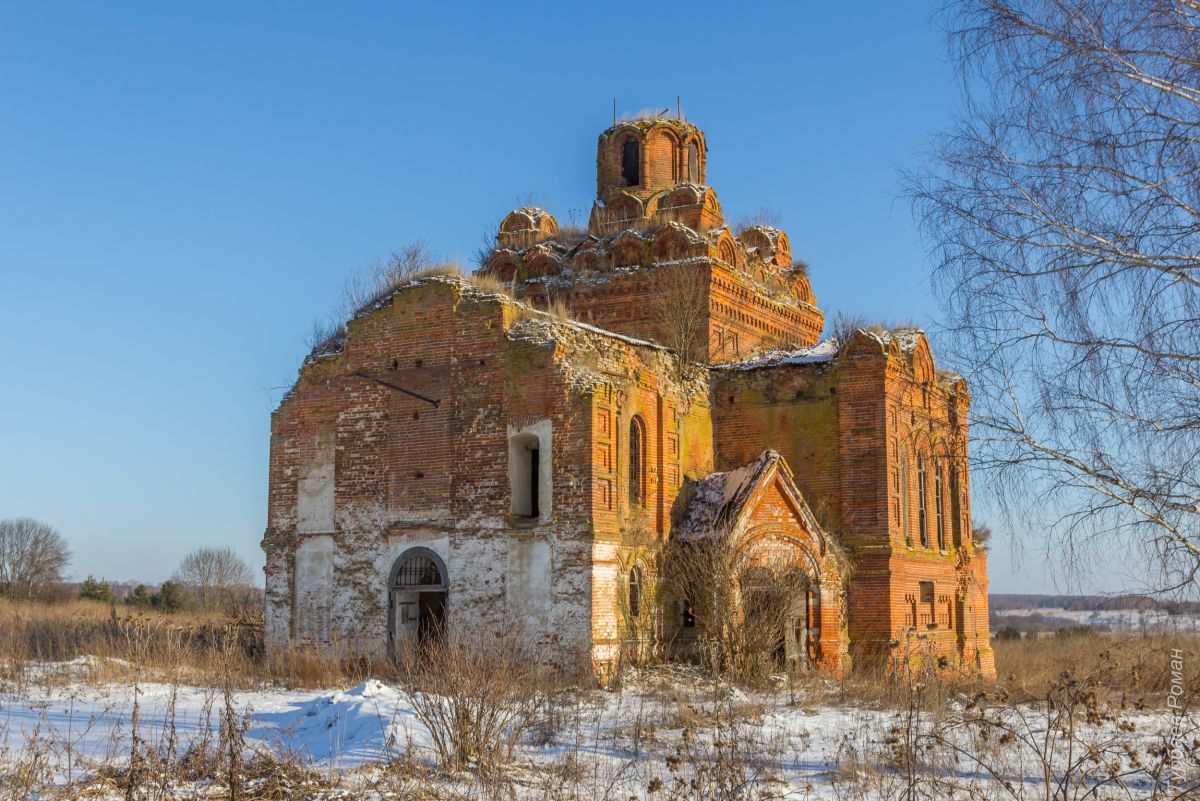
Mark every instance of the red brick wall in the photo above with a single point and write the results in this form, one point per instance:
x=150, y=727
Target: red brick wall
x=841, y=425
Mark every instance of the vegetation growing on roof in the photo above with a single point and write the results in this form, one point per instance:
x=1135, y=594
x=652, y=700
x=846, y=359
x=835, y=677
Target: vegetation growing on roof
x=367, y=287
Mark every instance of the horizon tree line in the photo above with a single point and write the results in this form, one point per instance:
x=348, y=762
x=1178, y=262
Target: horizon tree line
x=34, y=556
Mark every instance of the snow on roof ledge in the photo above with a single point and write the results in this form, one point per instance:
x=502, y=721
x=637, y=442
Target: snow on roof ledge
x=824, y=351
x=718, y=497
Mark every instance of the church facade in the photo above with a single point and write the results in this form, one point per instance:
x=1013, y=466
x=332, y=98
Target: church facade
x=513, y=448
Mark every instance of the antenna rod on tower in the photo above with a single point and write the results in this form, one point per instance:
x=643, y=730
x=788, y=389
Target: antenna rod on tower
x=614, y=111
x=678, y=108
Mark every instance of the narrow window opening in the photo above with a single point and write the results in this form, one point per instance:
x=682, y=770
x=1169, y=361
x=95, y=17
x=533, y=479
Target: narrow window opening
x=635, y=592
x=938, y=517
x=630, y=163
x=955, y=509
x=905, y=500
x=922, y=521
x=637, y=463
x=525, y=475
x=534, y=463
x=693, y=163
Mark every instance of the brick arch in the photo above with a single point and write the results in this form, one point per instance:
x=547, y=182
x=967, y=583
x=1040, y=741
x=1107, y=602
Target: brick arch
x=526, y=226
x=698, y=143
x=823, y=571
x=682, y=196
x=665, y=137
x=671, y=244
x=922, y=470
x=502, y=267
x=727, y=250
x=905, y=468
x=802, y=288
x=635, y=175
x=516, y=221
x=922, y=362
x=538, y=265
x=783, y=250
x=592, y=258
x=628, y=249
x=711, y=202
x=942, y=462
x=803, y=555
x=625, y=208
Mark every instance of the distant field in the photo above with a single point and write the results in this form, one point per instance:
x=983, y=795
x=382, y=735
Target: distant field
x=1129, y=613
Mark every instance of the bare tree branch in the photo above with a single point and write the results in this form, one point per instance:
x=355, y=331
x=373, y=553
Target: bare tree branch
x=1063, y=211
x=32, y=557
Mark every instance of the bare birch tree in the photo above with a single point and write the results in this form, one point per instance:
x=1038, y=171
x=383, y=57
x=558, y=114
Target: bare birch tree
x=216, y=578
x=1064, y=210
x=32, y=557
x=680, y=310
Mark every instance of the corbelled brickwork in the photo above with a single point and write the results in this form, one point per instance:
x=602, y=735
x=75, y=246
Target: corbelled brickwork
x=464, y=459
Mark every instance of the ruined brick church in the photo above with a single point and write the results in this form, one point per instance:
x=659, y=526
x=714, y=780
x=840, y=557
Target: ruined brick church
x=463, y=458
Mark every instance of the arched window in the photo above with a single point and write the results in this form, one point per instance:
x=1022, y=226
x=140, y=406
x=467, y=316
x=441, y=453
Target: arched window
x=922, y=519
x=637, y=462
x=635, y=592
x=955, y=509
x=938, y=517
x=418, y=569
x=631, y=168
x=693, y=163
x=904, y=499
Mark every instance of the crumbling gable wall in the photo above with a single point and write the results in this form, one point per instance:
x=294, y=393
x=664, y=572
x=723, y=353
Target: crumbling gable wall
x=406, y=472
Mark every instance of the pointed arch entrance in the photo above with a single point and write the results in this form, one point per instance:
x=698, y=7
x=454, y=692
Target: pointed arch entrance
x=789, y=574
x=416, y=599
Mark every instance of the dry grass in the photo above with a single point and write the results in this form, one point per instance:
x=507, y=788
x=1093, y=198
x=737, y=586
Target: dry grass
x=1141, y=663
x=555, y=308
x=488, y=283
x=119, y=640
x=367, y=287
x=478, y=695
x=571, y=235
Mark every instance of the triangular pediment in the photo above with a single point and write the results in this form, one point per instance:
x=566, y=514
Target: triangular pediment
x=762, y=494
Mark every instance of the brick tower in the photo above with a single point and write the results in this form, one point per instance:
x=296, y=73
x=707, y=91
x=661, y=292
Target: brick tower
x=657, y=247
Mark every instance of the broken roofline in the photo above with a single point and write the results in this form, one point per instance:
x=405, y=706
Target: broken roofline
x=474, y=292
x=827, y=350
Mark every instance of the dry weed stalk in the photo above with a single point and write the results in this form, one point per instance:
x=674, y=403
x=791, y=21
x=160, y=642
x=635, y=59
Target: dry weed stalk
x=743, y=604
x=477, y=694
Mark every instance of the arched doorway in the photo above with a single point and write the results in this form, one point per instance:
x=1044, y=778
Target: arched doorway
x=781, y=608
x=416, y=599
x=801, y=628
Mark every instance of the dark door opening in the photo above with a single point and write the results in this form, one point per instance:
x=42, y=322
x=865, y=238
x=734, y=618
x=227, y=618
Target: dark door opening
x=417, y=600
x=431, y=616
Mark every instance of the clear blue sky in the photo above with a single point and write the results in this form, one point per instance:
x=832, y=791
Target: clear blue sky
x=184, y=187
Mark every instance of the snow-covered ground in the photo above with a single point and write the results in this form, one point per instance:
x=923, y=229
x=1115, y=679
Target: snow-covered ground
x=617, y=744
